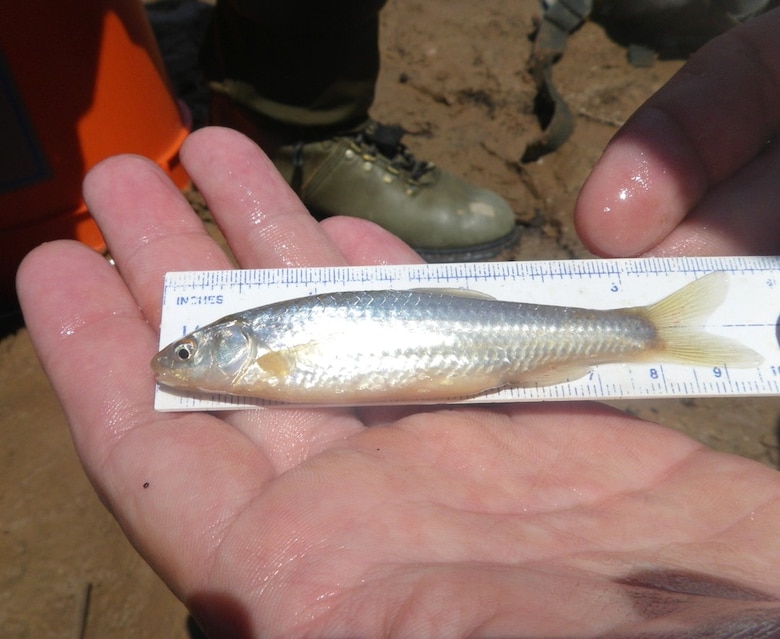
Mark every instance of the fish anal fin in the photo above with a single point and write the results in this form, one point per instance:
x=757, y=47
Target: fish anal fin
x=551, y=376
x=454, y=387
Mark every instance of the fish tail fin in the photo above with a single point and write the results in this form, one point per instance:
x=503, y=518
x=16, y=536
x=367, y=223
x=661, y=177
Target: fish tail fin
x=679, y=320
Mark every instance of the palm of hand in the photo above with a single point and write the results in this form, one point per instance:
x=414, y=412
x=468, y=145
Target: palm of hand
x=531, y=521
x=518, y=522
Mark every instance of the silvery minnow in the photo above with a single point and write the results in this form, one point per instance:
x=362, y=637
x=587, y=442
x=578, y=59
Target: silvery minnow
x=388, y=346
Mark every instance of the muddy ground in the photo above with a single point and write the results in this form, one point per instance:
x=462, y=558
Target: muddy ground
x=454, y=76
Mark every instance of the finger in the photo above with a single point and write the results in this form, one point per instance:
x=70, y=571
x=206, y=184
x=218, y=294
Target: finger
x=737, y=217
x=149, y=227
x=167, y=478
x=363, y=242
x=90, y=337
x=267, y=226
x=263, y=220
x=710, y=120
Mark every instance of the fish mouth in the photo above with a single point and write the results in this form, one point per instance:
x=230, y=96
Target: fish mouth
x=156, y=366
x=164, y=373
x=170, y=380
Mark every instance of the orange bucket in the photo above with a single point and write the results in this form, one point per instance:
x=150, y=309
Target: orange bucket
x=80, y=80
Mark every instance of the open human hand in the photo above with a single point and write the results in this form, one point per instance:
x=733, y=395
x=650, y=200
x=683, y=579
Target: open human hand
x=695, y=170
x=564, y=520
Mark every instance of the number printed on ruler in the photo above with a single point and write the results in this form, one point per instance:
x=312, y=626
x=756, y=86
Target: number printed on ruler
x=749, y=315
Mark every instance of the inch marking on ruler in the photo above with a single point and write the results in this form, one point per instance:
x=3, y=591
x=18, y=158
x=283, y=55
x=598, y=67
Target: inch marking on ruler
x=749, y=314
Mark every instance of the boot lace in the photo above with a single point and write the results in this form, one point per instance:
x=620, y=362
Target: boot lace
x=382, y=139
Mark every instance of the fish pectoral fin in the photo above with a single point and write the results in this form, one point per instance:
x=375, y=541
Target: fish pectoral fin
x=274, y=363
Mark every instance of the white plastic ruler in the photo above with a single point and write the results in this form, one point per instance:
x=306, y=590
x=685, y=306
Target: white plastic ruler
x=749, y=314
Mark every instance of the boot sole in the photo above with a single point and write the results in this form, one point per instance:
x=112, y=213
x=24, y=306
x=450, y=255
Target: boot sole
x=475, y=253
x=472, y=253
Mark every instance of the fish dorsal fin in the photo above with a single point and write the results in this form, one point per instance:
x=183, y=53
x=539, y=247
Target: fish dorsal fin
x=457, y=292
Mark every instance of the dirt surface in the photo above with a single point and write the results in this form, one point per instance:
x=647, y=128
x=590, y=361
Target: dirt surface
x=454, y=76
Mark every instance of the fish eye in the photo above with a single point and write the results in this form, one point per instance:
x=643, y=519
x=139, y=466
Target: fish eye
x=184, y=349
